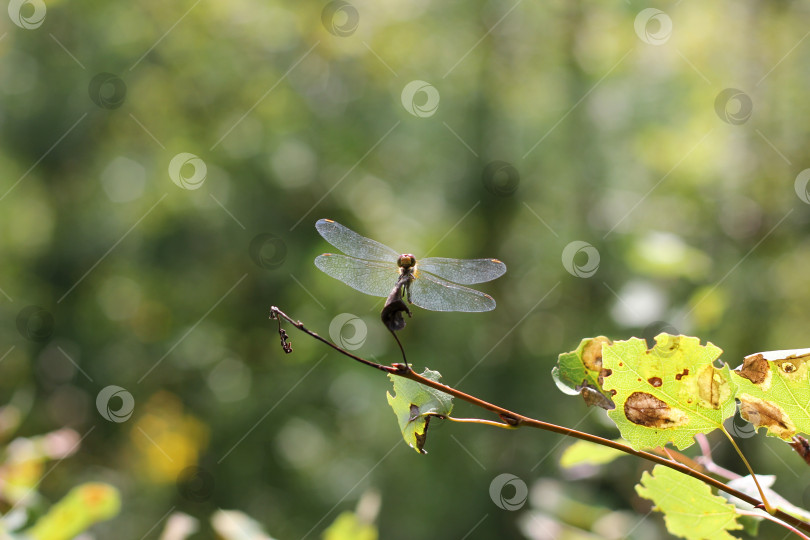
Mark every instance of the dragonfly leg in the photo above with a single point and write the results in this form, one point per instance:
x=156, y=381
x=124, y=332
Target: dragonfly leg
x=407, y=286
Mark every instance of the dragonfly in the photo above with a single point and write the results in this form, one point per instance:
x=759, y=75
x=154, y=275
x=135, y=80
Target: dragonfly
x=432, y=283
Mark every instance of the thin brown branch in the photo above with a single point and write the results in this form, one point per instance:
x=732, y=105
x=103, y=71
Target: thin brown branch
x=517, y=420
x=275, y=313
x=766, y=515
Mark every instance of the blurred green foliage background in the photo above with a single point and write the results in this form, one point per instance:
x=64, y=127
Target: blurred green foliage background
x=557, y=122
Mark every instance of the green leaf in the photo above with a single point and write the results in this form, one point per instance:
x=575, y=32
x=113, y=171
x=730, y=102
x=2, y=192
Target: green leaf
x=347, y=526
x=414, y=404
x=668, y=393
x=774, y=391
x=588, y=453
x=580, y=372
x=690, y=510
x=82, y=507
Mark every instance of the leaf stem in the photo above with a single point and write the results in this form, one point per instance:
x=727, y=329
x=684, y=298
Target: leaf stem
x=515, y=420
x=768, y=507
x=476, y=421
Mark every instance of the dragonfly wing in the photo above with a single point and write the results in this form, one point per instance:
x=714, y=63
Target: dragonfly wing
x=351, y=243
x=369, y=277
x=464, y=271
x=436, y=294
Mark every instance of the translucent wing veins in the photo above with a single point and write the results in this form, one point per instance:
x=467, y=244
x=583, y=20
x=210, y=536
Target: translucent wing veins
x=353, y=244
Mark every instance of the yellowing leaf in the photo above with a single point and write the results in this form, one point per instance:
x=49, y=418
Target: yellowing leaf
x=166, y=438
x=588, y=453
x=414, y=403
x=774, y=391
x=82, y=507
x=668, y=393
x=25, y=459
x=690, y=510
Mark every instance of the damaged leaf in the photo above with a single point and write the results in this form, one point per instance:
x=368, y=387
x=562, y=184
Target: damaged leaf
x=668, y=393
x=580, y=372
x=81, y=508
x=690, y=509
x=414, y=404
x=774, y=391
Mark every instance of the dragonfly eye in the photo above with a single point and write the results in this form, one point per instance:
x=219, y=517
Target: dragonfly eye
x=406, y=261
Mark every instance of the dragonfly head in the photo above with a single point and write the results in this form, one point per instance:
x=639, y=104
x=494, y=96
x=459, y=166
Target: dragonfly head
x=406, y=261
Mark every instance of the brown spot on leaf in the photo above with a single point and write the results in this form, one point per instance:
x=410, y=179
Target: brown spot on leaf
x=788, y=366
x=755, y=368
x=766, y=414
x=655, y=381
x=592, y=357
x=682, y=374
x=414, y=413
x=421, y=438
x=595, y=396
x=710, y=387
x=592, y=353
x=647, y=410
x=592, y=397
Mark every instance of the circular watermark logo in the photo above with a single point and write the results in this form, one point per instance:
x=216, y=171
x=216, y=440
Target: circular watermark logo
x=653, y=26
x=425, y=94
x=187, y=171
x=740, y=427
x=504, y=502
x=340, y=18
x=35, y=324
x=268, y=251
x=802, y=185
x=583, y=270
x=663, y=349
x=195, y=484
x=107, y=90
x=500, y=178
x=106, y=410
x=733, y=106
x=28, y=14
x=349, y=331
